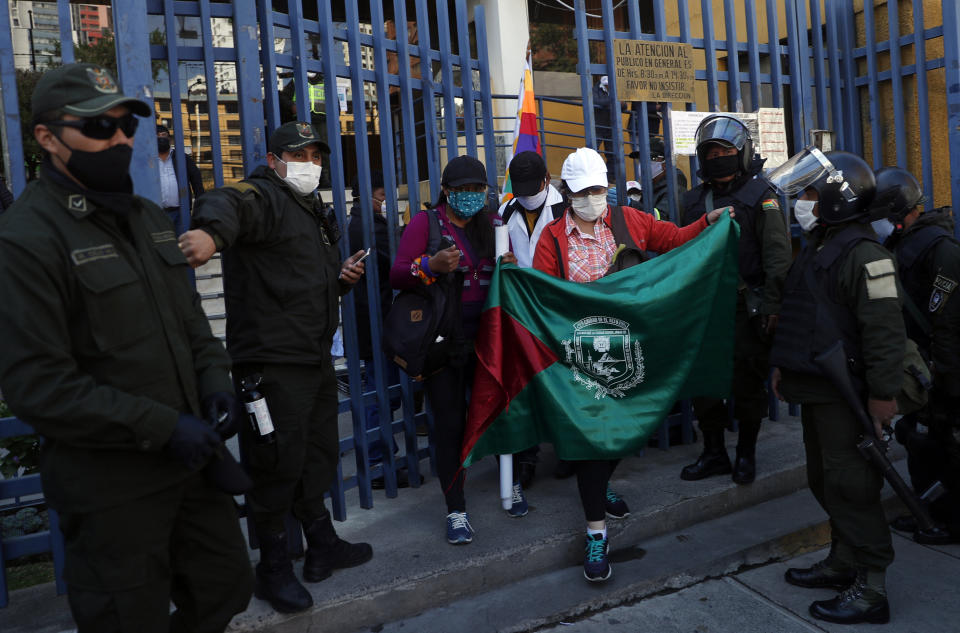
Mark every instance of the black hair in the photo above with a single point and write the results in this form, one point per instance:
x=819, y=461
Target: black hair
x=479, y=231
x=162, y=128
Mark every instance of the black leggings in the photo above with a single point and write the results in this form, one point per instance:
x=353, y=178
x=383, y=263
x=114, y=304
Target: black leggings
x=447, y=393
x=593, y=475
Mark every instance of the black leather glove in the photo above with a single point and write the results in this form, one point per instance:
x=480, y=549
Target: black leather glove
x=224, y=412
x=192, y=441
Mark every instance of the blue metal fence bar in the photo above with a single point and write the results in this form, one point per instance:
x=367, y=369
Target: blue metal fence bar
x=820, y=75
x=429, y=108
x=250, y=89
x=583, y=69
x=387, y=145
x=640, y=121
x=466, y=78
x=408, y=126
x=923, y=103
x=853, y=140
x=951, y=53
x=753, y=52
x=875, y=121
x=136, y=80
x=660, y=30
x=734, y=100
x=446, y=76
x=899, y=125
x=616, y=120
x=833, y=55
x=300, y=81
x=773, y=37
x=66, y=33
x=805, y=79
x=796, y=77
x=372, y=274
x=216, y=148
x=268, y=63
x=483, y=64
x=683, y=13
x=173, y=75
x=12, y=135
x=710, y=53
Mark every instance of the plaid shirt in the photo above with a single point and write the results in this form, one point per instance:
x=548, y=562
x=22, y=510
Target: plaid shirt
x=589, y=255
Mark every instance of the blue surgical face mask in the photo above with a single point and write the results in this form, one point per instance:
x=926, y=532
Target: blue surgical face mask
x=466, y=204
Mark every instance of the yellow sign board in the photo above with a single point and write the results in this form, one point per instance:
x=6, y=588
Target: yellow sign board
x=654, y=71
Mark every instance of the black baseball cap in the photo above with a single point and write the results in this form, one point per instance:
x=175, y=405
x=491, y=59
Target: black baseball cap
x=464, y=170
x=527, y=173
x=83, y=90
x=295, y=135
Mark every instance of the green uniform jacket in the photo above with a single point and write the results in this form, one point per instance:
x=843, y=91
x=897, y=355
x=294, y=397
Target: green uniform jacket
x=280, y=270
x=105, y=341
x=932, y=286
x=868, y=286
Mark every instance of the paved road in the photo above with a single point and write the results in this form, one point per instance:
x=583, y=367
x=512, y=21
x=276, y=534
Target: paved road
x=923, y=586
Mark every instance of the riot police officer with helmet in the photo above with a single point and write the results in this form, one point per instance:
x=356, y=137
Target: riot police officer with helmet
x=928, y=262
x=729, y=169
x=842, y=287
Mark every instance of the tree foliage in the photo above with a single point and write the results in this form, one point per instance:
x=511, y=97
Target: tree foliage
x=554, y=47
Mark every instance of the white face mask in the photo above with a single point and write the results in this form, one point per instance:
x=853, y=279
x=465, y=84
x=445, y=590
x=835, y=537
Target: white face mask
x=589, y=208
x=533, y=202
x=302, y=177
x=803, y=209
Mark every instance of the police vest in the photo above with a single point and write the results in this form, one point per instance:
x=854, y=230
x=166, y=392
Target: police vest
x=813, y=317
x=745, y=200
x=911, y=251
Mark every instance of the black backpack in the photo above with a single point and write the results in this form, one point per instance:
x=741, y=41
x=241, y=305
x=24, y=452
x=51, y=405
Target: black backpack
x=423, y=332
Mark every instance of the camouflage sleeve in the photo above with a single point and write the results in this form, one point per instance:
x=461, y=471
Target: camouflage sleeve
x=776, y=252
x=944, y=312
x=868, y=283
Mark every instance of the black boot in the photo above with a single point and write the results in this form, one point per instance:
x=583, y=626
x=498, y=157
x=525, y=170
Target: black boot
x=863, y=601
x=326, y=551
x=713, y=461
x=276, y=582
x=745, y=465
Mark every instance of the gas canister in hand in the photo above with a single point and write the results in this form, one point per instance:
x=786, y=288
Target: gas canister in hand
x=256, y=406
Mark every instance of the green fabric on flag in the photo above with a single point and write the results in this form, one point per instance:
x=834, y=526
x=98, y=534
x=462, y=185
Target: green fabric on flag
x=595, y=368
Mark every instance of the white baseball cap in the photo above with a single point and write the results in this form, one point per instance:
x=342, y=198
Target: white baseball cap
x=633, y=184
x=584, y=169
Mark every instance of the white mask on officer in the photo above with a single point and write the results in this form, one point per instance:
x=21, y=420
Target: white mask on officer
x=302, y=177
x=589, y=208
x=803, y=210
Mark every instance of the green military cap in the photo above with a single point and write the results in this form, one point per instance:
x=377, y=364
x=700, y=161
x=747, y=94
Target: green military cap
x=82, y=90
x=295, y=135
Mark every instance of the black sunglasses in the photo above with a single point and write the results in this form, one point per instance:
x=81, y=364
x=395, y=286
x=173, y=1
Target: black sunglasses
x=102, y=127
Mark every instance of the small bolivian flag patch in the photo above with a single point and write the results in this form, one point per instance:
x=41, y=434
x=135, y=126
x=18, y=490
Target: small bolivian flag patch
x=771, y=205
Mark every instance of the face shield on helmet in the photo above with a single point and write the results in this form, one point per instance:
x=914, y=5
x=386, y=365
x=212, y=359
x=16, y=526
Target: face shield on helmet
x=803, y=170
x=726, y=131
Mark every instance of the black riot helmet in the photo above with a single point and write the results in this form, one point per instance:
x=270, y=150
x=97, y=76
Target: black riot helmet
x=898, y=192
x=844, y=182
x=728, y=131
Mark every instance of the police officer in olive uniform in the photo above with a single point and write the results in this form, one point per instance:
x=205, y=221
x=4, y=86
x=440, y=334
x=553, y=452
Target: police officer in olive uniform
x=928, y=260
x=282, y=282
x=729, y=170
x=843, y=286
x=109, y=356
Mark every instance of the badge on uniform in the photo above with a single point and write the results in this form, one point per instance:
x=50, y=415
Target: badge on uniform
x=77, y=202
x=771, y=205
x=942, y=288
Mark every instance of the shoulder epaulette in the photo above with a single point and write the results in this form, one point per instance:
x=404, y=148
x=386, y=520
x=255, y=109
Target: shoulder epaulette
x=243, y=187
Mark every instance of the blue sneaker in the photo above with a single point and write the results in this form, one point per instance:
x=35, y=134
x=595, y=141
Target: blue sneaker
x=596, y=567
x=519, y=507
x=459, y=530
x=615, y=506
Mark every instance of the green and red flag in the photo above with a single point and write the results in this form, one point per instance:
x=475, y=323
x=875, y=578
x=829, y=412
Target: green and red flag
x=595, y=368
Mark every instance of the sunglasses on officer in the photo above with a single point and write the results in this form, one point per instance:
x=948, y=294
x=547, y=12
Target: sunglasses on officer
x=101, y=127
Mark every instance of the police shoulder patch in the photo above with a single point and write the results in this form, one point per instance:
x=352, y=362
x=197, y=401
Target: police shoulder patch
x=945, y=284
x=242, y=187
x=942, y=289
x=771, y=204
x=881, y=279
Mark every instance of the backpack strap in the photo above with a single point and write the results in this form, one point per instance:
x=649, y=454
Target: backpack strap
x=433, y=235
x=618, y=224
x=509, y=210
x=557, y=209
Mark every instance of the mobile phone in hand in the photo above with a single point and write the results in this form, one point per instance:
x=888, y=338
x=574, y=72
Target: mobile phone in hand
x=366, y=254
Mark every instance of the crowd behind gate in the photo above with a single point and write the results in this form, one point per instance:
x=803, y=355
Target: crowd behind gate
x=111, y=358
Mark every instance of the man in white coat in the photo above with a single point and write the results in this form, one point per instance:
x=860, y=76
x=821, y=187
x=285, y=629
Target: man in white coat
x=535, y=204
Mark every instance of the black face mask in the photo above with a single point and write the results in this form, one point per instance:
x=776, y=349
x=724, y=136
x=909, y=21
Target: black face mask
x=163, y=144
x=721, y=166
x=107, y=170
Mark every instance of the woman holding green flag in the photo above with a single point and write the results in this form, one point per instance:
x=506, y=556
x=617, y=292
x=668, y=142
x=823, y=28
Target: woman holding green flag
x=583, y=246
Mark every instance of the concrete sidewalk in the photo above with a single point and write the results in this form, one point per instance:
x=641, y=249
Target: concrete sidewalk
x=414, y=571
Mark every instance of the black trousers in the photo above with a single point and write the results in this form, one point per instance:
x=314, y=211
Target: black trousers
x=293, y=473
x=124, y=565
x=448, y=394
x=593, y=475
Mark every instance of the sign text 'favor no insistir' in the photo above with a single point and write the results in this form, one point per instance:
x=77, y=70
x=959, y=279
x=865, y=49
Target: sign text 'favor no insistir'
x=654, y=71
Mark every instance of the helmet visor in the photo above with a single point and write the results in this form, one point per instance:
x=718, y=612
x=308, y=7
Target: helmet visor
x=722, y=130
x=799, y=172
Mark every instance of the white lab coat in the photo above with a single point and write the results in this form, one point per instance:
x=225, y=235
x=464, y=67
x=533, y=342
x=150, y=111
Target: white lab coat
x=520, y=244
